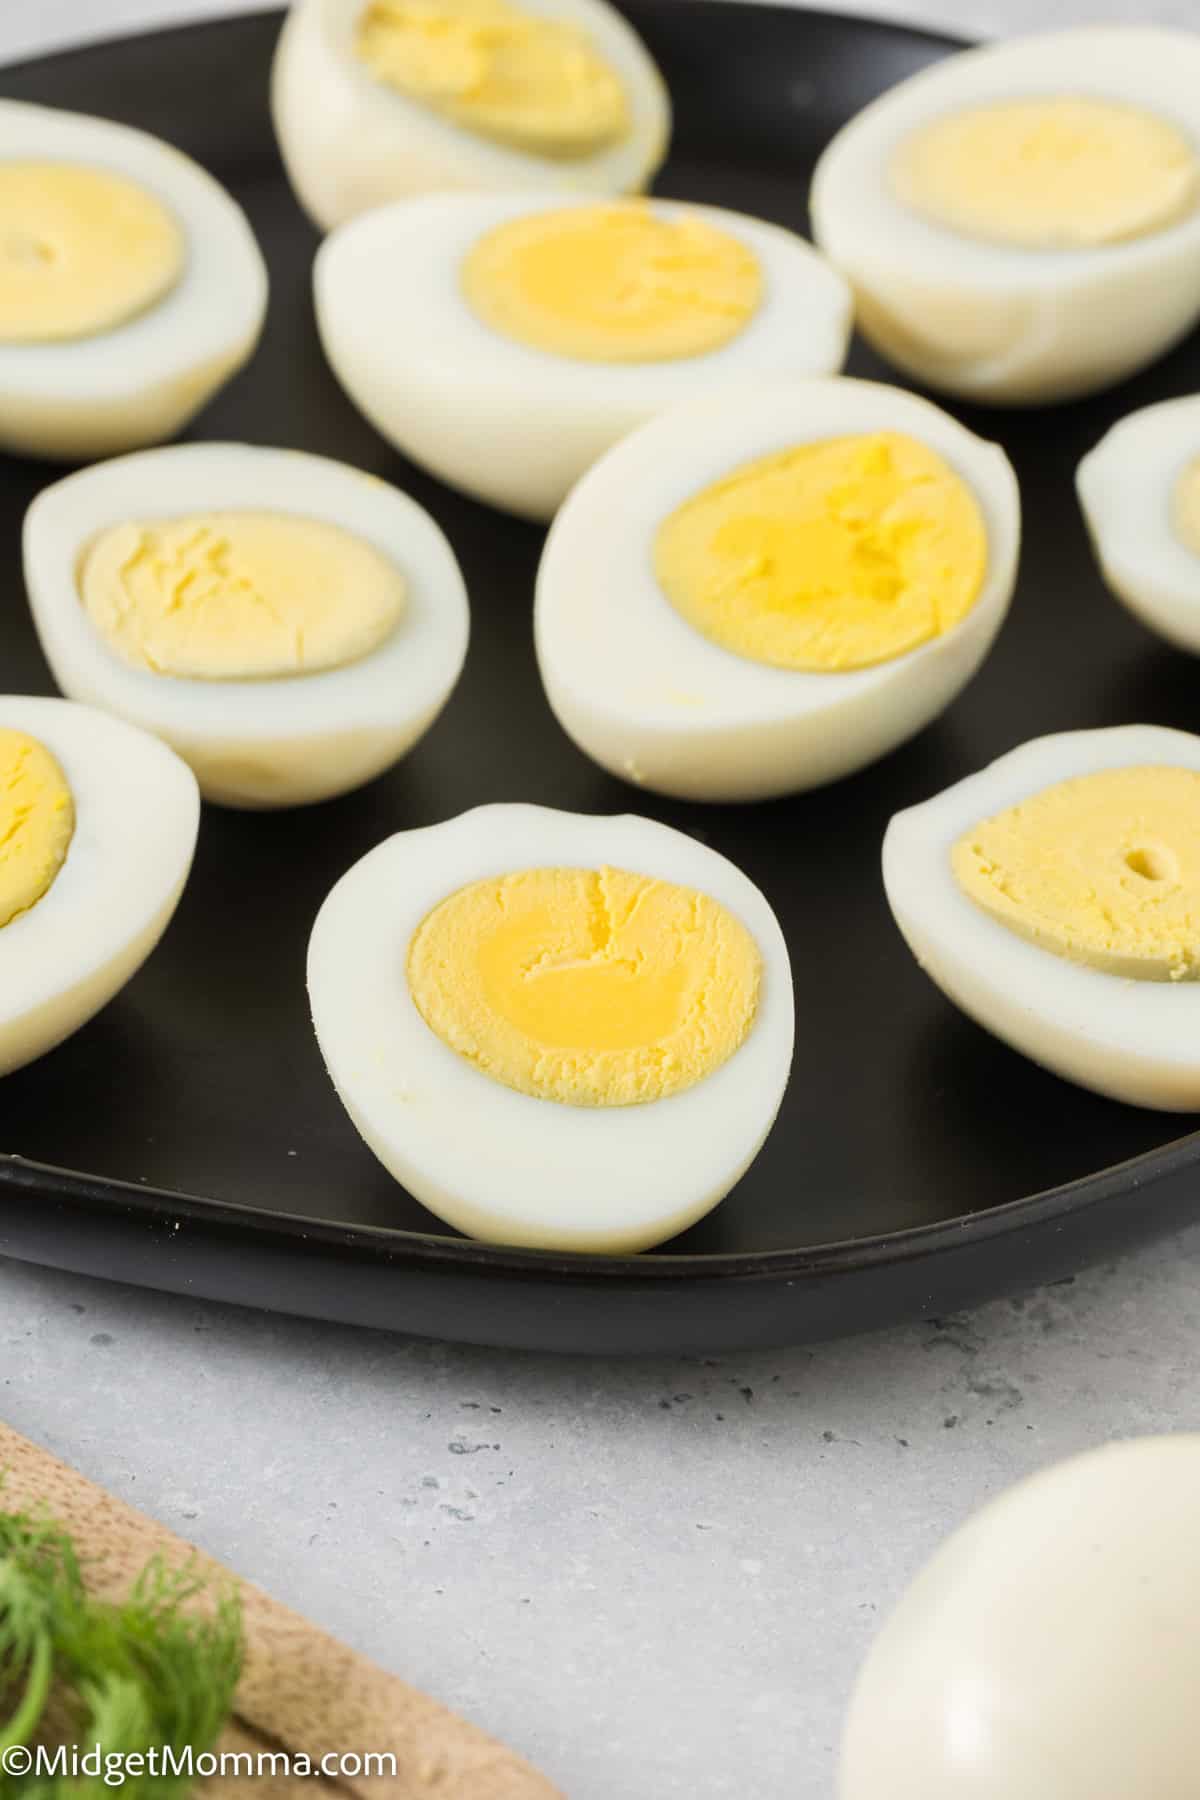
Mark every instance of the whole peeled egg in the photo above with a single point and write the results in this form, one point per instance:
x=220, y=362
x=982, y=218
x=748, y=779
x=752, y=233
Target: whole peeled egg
x=131, y=285
x=377, y=100
x=1021, y=222
x=1049, y=1650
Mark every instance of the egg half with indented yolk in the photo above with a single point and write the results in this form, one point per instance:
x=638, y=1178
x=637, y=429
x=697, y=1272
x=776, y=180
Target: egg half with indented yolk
x=1055, y=897
x=506, y=342
x=98, y=825
x=377, y=100
x=554, y=1030
x=131, y=287
x=288, y=624
x=767, y=589
x=1021, y=222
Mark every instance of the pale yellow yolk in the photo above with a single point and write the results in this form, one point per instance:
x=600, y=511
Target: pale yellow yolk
x=81, y=250
x=613, y=283
x=239, y=595
x=37, y=820
x=594, y=987
x=1103, y=869
x=1186, y=507
x=833, y=555
x=1057, y=174
x=526, y=81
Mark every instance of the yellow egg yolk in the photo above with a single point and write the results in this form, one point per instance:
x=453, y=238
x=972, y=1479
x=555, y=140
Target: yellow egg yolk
x=1065, y=173
x=81, y=250
x=613, y=283
x=37, y=821
x=239, y=595
x=593, y=987
x=833, y=555
x=1186, y=507
x=526, y=81
x=1103, y=869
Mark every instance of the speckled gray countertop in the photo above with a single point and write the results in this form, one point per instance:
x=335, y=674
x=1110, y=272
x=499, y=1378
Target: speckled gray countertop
x=656, y=1578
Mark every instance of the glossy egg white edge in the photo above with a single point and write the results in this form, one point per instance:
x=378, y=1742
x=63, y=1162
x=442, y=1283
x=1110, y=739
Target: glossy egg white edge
x=142, y=381
x=1133, y=1040
x=995, y=322
x=650, y=698
x=351, y=143
x=1126, y=488
x=256, y=743
x=511, y=424
x=528, y=1171
x=137, y=811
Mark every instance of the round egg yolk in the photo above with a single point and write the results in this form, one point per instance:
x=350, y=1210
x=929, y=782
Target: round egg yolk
x=37, y=821
x=1049, y=174
x=82, y=250
x=239, y=595
x=829, y=556
x=613, y=283
x=593, y=987
x=526, y=81
x=1187, y=507
x=1102, y=869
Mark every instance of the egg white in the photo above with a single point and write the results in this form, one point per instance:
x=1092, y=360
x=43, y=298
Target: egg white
x=1131, y=1039
x=137, y=811
x=496, y=1163
x=256, y=743
x=141, y=381
x=996, y=322
x=650, y=698
x=511, y=424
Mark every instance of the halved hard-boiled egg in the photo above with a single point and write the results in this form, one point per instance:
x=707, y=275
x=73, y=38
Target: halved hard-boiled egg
x=98, y=825
x=1021, y=222
x=506, y=342
x=769, y=588
x=376, y=100
x=1055, y=897
x=1140, y=493
x=289, y=625
x=131, y=286
x=604, y=1001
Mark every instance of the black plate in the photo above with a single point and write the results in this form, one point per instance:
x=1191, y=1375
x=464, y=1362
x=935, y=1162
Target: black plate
x=917, y=1164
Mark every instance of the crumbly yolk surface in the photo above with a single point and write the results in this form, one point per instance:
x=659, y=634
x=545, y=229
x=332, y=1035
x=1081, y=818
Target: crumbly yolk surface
x=82, y=250
x=613, y=283
x=1103, y=869
x=830, y=556
x=593, y=987
x=1186, y=507
x=526, y=81
x=1069, y=173
x=37, y=821
x=233, y=595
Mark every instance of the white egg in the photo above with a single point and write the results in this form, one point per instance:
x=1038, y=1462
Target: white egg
x=528, y=1170
x=282, y=741
x=139, y=381
x=1049, y=1649
x=351, y=142
x=1130, y=1038
x=650, y=698
x=994, y=320
x=137, y=810
x=515, y=425
x=1128, y=490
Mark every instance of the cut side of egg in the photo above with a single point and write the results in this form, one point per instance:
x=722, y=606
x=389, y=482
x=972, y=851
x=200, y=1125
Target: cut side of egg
x=98, y=824
x=506, y=342
x=803, y=576
x=290, y=625
x=1021, y=222
x=379, y=100
x=1140, y=493
x=1055, y=897
x=131, y=285
x=606, y=1001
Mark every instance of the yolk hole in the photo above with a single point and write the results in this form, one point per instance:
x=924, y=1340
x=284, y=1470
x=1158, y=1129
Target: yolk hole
x=1153, y=865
